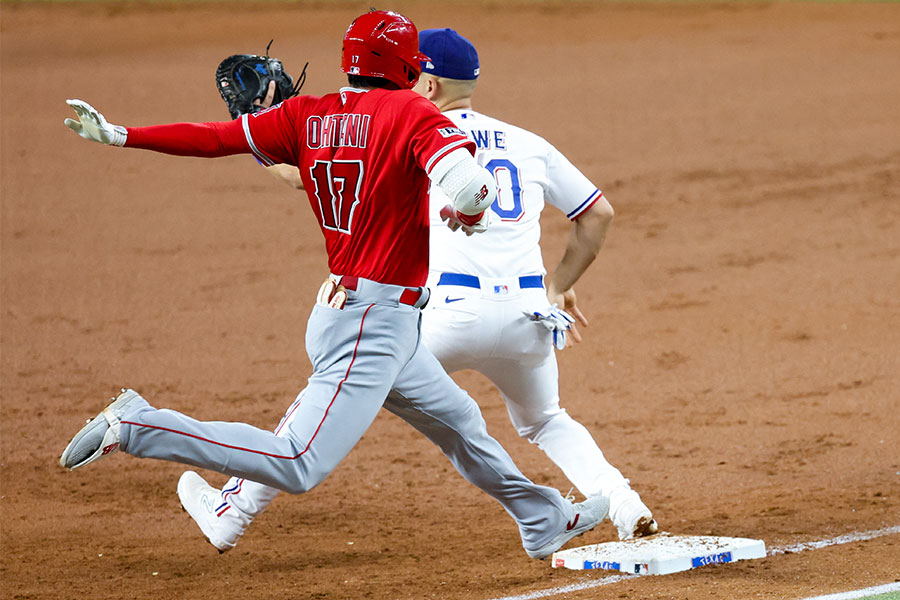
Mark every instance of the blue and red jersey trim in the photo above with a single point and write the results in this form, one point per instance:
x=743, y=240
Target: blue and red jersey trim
x=584, y=206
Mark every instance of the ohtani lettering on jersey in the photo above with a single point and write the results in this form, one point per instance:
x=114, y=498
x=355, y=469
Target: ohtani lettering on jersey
x=348, y=130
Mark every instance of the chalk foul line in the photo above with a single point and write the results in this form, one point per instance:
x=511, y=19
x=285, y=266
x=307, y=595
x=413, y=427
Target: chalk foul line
x=878, y=589
x=789, y=549
x=841, y=539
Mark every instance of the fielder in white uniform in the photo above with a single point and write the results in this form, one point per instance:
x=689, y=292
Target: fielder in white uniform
x=493, y=315
x=478, y=314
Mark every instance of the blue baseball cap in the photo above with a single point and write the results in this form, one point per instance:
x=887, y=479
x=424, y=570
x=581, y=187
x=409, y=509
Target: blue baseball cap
x=451, y=55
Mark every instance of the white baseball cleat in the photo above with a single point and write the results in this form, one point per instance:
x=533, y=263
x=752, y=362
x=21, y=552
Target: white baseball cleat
x=100, y=437
x=588, y=514
x=209, y=511
x=630, y=515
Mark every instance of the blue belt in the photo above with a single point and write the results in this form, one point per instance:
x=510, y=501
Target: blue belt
x=526, y=281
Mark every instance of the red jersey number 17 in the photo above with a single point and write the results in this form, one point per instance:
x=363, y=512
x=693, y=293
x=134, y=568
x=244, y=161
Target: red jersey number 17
x=337, y=185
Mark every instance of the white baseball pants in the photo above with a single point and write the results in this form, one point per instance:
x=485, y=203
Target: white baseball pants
x=478, y=323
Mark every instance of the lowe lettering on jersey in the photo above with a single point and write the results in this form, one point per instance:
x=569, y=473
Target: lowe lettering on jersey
x=485, y=139
x=349, y=130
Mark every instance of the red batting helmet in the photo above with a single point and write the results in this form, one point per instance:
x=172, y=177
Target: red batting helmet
x=383, y=44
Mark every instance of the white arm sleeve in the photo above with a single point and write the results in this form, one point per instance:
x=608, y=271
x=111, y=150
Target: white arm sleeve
x=470, y=186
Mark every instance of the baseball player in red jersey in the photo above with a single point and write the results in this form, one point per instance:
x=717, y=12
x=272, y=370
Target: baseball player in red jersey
x=485, y=302
x=366, y=155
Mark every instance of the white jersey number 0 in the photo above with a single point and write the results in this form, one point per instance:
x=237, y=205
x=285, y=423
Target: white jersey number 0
x=508, y=204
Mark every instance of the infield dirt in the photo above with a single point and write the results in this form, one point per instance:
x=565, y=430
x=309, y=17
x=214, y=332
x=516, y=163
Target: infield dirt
x=741, y=366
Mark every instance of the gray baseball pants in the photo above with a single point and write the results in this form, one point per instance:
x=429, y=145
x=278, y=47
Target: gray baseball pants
x=366, y=355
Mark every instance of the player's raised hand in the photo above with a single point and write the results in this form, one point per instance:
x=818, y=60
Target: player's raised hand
x=270, y=96
x=91, y=125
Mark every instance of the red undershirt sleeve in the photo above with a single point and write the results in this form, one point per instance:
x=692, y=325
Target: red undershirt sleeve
x=206, y=140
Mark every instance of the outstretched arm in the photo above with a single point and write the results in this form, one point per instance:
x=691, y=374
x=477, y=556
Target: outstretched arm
x=206, y=140
x=585, y=240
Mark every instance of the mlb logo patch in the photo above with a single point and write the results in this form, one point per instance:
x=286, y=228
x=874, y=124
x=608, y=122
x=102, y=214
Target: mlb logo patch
x=450, y=131
x=501, y=289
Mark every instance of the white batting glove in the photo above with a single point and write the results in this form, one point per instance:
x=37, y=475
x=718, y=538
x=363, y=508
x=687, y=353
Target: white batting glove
x=556, y=320
x=91, y=125
x=452, y=217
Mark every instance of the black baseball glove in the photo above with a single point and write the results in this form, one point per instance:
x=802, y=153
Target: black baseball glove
x=243, y=78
